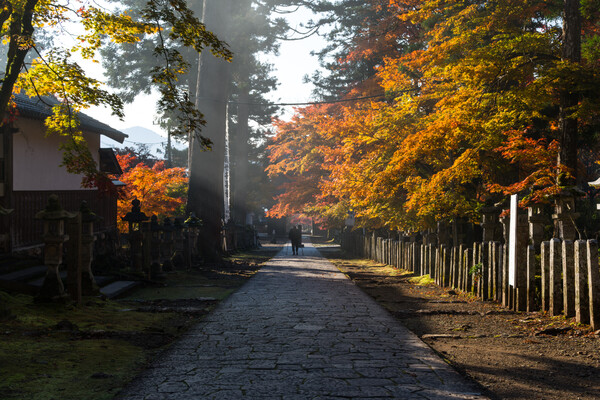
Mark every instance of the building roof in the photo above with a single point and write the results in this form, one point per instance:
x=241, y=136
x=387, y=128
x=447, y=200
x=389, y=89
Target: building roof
x=40, y=109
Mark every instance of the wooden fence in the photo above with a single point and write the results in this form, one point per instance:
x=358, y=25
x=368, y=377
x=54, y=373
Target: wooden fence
x=26, y=231
x=562, y=277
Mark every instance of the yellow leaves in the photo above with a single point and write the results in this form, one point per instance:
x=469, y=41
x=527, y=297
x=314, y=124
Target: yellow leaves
x=119, y=28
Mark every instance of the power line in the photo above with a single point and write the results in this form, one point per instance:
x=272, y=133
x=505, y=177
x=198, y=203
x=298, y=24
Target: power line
x=308, y=103
x=131, y=141
x=311, y=103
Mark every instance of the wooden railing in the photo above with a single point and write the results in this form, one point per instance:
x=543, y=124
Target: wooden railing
x=26, y=231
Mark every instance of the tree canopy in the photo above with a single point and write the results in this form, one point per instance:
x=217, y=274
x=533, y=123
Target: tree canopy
x=167, y=24
x=472, y=107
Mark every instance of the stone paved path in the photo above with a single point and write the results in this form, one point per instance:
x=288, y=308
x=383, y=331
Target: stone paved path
x=299, y=329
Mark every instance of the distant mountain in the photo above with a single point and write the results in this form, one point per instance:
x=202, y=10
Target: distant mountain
x=140, y=135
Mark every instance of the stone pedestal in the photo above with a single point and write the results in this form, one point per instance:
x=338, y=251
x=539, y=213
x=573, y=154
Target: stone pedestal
x=74, y=260
x=536, y=225
x=155, y=249
x=565, y=215
x=135, y=218
x=89, y=287
x=167, y=245
x=178, y=244
x=54, y=238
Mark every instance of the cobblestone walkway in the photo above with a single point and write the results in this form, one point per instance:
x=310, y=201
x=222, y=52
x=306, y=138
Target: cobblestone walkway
x=299, y=329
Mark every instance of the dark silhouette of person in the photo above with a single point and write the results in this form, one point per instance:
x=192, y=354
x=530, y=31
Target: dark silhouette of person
x=295, y=236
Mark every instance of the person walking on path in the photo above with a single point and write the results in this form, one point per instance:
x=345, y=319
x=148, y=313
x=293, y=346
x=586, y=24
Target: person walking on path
x=299, y=330
x=295, y=236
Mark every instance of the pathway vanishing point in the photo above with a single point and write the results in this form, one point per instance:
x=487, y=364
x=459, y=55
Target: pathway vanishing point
x=300, y=329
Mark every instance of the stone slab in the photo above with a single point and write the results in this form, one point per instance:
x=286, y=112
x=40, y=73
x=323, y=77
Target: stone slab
x=26, y=274
x=118, y=288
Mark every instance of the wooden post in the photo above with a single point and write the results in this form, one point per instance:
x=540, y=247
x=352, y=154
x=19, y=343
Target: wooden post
x=438, y=265
x=433, y=251
x=495, y=271
x=531, y=300
x=582, y=302
x=446, y=257
x=468, y=257
x=485, y=261
x=555, y=297
x=505, y=285
x=422, y=267
x=545, y=284
x=500, y=273
x=593, y=283
x=521, y=273
x=568, y=278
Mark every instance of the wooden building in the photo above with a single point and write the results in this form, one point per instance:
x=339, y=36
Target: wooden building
x=30, y=171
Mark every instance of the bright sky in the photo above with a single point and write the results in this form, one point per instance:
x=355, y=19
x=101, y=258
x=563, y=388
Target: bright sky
x=292, y=64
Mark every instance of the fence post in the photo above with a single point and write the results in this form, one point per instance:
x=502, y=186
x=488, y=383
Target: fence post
x=422, y=260
x=452, y=269
x=494, y=257
x=433, y=262
x=568, y=278
x=444, y=271
x=531, y=300
x=468, y=257
x=555, y=286
x=593, y=283
x=505, y=285
x=582, y=304
x=521, y=272
x=545, y=284
x=484, y=259
x=438, y=266
x=417, y=257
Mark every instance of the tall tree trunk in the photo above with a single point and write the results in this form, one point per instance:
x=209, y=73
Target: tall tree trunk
x=569, y=99
x=20, y=32
x=205, y=194
x=240, y=157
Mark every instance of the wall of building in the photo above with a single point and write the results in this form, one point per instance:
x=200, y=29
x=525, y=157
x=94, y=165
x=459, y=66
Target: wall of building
x=37, y=159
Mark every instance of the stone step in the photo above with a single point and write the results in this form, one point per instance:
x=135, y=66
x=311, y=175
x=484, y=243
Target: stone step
x=24, y=275
x=118, y=288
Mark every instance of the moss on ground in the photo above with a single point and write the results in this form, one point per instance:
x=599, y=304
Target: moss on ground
x=55, y=367
x=63, y=351
x=422, y=280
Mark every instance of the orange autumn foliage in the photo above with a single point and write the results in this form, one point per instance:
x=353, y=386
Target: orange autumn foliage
x=161, y=191
x=470, y=115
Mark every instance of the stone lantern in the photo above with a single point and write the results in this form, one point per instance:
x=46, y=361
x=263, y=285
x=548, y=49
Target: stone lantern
x=88, y=218
x=179, y=243
x=536, y=225
x=156, y=232
x=167, y=244
x=53, y=217
x=193, y=224
x=490, y=223
x=565, y=215
x=135, y=219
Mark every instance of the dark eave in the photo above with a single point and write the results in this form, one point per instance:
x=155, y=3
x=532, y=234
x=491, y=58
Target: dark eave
x=34, y=108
